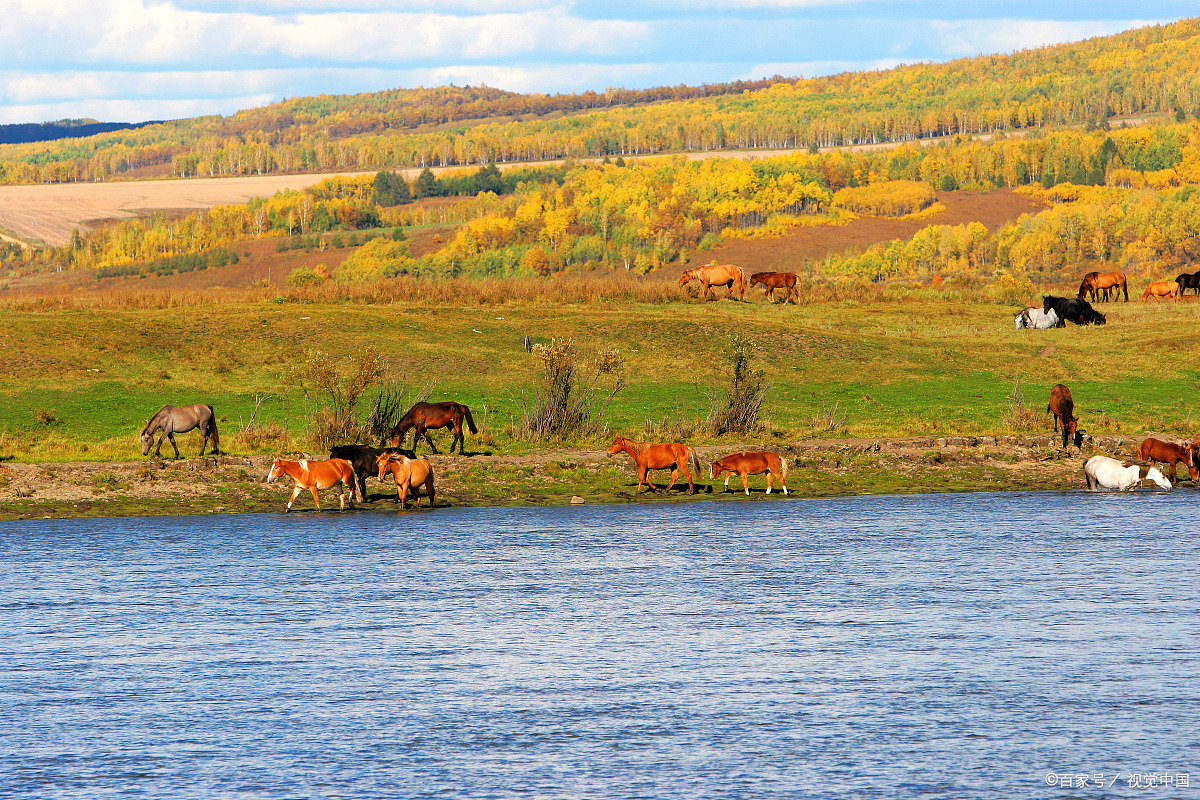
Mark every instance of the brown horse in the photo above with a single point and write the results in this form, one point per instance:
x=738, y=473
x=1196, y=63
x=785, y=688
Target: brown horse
x=1101, y=281
x=777, y=280
x=672, y=455
x=409, y=473
x=1161, y=289
x=181, y=419
x=754, y=463
x=726, y=275
x=1062, y=408
x=425, y=416
x=1160, y=452
x=313, y=475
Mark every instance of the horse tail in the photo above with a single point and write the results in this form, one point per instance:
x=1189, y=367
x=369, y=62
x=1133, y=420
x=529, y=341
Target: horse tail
x=783, y=466
x=470, y=422
x=212, y=429
x=694, y=460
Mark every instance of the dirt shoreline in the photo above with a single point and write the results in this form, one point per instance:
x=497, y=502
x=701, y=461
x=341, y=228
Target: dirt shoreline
x=817, y=468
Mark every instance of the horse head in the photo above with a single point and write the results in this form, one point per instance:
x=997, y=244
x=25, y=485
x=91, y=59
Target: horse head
x=386, y=460
x=147, y=440
x=1155, y=474
x=276, y=470
x=686, y=277
x=1046, y=304
x=617, y=446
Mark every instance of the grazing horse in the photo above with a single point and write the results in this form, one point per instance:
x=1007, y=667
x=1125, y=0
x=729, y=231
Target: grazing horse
x=755, y=463
x=409, y=473
x=313, y=475
x=364, y=460
x=181, y=419
x=1073, y=309
x=1062, y=408
x=423, y=417
x=777, y=280
x=1108, y=473
x=1102, y=281
x=1188, y=280
x=1157, y=451
x=1037, y=319
x=672, y=455
x=726, y=275
x=1161, y=289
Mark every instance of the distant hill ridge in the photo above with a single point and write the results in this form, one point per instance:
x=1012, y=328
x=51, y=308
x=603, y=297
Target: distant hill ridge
x=27, y=132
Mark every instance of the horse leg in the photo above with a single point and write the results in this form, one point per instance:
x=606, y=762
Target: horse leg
x=458, y=437
x=316, y=499
x=171, y=436
x=295, y=493
x=770, y=481
x=429, y=490
x=727, y=477
x=423, y=431
x=746, y=483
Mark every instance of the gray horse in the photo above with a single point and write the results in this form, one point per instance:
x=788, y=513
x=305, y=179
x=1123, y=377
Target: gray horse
x=181, y=419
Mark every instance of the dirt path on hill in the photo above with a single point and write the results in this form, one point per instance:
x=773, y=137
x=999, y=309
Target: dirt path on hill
x=817, y=467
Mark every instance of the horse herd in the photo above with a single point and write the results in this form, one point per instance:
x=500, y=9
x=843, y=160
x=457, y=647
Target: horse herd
x=348, y=465
x=1105, y=472
x=1056, y=312
x=730, y=276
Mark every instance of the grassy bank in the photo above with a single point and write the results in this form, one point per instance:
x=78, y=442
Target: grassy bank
x=77, y=383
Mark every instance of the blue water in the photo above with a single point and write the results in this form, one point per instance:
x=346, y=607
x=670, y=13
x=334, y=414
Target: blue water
x=956, y=646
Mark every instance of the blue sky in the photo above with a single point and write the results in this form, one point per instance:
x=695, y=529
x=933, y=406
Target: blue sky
x=132, y=60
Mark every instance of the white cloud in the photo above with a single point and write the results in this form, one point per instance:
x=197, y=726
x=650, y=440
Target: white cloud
x=973, y=37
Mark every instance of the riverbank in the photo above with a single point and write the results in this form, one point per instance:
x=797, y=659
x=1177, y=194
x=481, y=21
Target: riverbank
x=817, y=468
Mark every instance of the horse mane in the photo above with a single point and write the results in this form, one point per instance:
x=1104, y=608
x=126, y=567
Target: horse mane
x=634, y=445
x=149, y=425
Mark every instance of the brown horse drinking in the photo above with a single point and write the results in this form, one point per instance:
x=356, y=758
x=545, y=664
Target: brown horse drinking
x=672, y=456
x=777, y=280
x=181, y=419
x=1094, y=282
x=409, y=473
x=754, y=463
x=1160, y=452
x=1062, y=407
x=425, y=416
x=726, y=275
x=313, y=475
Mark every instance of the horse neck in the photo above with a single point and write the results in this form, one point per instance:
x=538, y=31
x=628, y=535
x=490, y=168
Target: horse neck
x=634, y=447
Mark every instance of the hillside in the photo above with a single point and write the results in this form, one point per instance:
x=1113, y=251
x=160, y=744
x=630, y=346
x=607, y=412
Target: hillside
x=1144, y=71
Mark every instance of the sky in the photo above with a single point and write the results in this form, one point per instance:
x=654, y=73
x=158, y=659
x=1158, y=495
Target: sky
x=137, y=60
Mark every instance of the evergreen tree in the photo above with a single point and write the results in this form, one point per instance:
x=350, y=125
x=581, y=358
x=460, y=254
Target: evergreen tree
x=390, y=189
x=427, y=185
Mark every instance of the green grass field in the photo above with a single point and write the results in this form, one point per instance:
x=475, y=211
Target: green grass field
x=78, y=384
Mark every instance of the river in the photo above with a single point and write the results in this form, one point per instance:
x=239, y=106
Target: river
x=943, y=646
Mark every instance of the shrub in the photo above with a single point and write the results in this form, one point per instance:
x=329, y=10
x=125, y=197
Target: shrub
x=889, y=198
x=574, y=392
x=738, y=411
x=334, y=387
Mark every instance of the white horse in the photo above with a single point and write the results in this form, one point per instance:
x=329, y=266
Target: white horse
x=1103, y=472
x=1038, y=319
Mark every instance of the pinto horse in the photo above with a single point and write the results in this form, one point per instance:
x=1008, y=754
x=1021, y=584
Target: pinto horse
x=1161, y=289
x=1157, y=451
x=181, y=419
x=409, y=473
x=313, y=475
x=1094, y=282
x=746, y=464
x=726, y=275
x=672, y=455
x=1062, y=408
x=777, y=280
x=1102, y=472
x=425, y=416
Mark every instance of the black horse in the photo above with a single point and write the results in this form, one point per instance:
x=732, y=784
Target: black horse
x=181, y=419
x=364, y=459
x=1188, y=280
x=1075, y=309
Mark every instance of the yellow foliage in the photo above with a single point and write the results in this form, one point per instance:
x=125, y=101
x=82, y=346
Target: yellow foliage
x=891, y=198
